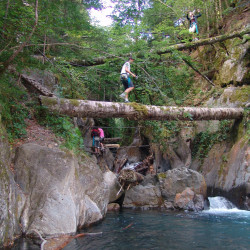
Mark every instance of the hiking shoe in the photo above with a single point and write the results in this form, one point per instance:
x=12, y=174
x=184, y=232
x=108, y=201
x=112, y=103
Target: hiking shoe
x=123, y=95
x=126, y=100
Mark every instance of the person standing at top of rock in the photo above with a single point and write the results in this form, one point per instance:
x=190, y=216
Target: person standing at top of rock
x=101, y=137
x=126, y=80
x=193, y=24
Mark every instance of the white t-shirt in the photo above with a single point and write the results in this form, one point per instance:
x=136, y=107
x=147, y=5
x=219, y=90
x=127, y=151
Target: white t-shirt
x=125, y=65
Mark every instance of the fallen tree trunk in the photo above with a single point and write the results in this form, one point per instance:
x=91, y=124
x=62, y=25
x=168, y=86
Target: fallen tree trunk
x=136, y=111
x=208, y=41
x=112, y=140
x=112, y=145
x=92, y=62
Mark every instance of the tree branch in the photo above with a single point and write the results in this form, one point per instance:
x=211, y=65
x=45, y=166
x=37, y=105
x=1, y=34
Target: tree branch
x=208, y=41
x=197, y=71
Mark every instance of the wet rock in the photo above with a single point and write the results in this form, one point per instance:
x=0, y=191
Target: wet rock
x=184, y=200
x=188, y=200
x=199, y=202
x=113, y=207
x=168, y=205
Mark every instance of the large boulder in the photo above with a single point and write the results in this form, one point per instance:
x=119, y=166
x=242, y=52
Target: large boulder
x=177, y=180
x=113, y=185
x=63, y=192
x=188, y=200
x=11, y=198
x=145, y=195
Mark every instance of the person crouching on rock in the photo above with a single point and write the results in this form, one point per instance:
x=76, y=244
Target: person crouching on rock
x=101, y=138
x=95, y=134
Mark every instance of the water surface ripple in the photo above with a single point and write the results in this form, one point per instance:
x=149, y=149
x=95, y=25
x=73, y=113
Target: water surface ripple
x=168, y=230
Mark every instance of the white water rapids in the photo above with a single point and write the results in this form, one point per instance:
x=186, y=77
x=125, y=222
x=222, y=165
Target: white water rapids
x=220, y=205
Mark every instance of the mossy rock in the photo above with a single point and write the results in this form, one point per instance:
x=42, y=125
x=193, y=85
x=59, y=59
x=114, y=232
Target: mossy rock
x=162, y=176
x=241, y=95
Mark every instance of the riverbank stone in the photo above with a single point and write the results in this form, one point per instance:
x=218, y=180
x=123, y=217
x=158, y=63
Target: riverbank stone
x=63, y=193
x=177, y=180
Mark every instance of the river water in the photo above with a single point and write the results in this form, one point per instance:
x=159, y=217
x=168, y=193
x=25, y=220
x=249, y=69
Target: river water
x=221, y=227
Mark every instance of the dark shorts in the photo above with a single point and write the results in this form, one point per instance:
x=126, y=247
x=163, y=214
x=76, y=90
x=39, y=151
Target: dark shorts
x=127, y=82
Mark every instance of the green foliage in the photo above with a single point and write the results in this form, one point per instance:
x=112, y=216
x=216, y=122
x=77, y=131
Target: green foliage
x=140, y=28
x=204, y=141
x=12, y=107
x=62, y=127
x=160, y=132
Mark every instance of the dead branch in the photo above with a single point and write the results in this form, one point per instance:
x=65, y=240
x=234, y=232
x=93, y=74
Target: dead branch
x=197, y=71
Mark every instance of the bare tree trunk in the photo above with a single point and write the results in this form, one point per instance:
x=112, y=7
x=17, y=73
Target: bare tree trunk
x=6, y=15
x=216, y=15
x=207, y=17
x=136, y=111
x=220, y=9
x=8, y=62
x=227, y=4
x=44, y=47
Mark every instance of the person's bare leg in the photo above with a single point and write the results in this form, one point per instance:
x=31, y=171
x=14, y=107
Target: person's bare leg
x=128, y=90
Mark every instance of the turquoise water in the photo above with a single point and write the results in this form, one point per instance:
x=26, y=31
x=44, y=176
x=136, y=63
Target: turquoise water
x=164, y=230
x=221, y=227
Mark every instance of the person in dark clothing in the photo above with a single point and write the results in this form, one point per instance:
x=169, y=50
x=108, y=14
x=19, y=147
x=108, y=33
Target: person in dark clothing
x=193, y=24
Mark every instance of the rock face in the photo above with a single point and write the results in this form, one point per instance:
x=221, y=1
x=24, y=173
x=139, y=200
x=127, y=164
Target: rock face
x=229, y=173
x=11, y=199
x=234, y=68
x=62, y=192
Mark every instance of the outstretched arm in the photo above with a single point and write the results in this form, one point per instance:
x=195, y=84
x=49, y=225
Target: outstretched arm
x=128, y=71
x=198, y=14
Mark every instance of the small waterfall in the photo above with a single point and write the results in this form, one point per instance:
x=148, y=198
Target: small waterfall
x=131, y=166
x=220, y=203
x=220, y=206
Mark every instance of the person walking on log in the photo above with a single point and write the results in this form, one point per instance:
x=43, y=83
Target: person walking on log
x=193, y=24
x=126, y=80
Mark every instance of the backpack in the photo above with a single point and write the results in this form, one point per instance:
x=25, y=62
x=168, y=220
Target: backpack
x=95, y=132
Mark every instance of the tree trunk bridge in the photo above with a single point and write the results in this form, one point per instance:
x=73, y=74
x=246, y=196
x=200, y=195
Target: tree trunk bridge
x=136, y=111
